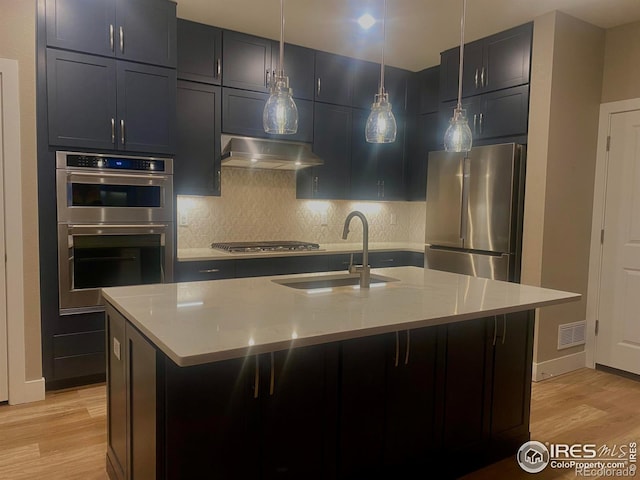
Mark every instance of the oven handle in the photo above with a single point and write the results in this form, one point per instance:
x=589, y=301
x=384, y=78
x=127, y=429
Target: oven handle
x=147, y=227
x=115, y=175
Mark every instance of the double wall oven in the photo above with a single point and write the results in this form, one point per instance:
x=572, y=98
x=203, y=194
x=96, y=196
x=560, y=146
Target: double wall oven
x=115, y=224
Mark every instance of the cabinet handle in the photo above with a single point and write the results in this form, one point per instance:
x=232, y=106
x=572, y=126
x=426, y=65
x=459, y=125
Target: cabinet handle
x=387, y=260
x=406, y=355
x=316, y=182
x=378, y=185
x=395, y=363
x=268, y=78
x=319, y=85
x=484, y=79
x=122, y=135
x=504, y=328
x=481, y=122
x=382, y=185
x=111, y=33
x=256, y=381
x=495, y=329
x=121, y=40
x=218, y=68
x=218, y=181
x=476, y=78
x=475, y=122
x=272, y=379
x=113, y=130
x=209, y=270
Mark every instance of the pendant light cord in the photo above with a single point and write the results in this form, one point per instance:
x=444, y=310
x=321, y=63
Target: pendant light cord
x=281, y=66
x=464, y=11
x=384, y=40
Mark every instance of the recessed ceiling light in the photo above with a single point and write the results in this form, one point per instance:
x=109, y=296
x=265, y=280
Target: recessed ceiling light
x=366, y=21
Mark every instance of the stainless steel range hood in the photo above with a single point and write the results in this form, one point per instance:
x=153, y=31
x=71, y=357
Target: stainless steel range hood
x=267, y=154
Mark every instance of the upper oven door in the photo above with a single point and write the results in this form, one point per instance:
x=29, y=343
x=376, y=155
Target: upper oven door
x=86, y=196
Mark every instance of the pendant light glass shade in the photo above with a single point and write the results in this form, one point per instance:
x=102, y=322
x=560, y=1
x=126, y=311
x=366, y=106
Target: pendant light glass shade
x=458, y=136
x=381, y=125
x=280, y=115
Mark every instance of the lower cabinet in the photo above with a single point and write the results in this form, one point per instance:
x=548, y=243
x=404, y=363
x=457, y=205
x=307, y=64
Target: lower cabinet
x=446, y=400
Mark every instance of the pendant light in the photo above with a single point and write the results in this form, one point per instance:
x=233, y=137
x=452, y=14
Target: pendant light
x=280, y=115
x=381, y=124
x=458, y=137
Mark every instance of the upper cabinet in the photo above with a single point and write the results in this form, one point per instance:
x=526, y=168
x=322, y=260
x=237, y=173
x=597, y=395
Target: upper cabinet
x=298, y=66
x=423, y=91
x=102, y=103
x=500, y=61
x=366, y=83
x=137, y=30
x=199, y=52
x=334, y=79
x=247, y=61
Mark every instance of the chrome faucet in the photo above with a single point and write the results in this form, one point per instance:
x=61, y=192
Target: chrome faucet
x=363, y=269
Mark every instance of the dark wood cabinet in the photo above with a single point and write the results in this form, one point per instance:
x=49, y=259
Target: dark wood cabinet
x=332, y=143
x=242, y=115
x=146, y=106
x=334, y=79
x=199, y=52
x=366, y=83
x=137, y=30
x=298, y=66
x=423, y=92
x=377, y=170
x=196, y=169
x=425, y=135
x=204, y=270
x=247, y=61
x=96, y=102
x=258, y=267
x=493, y=63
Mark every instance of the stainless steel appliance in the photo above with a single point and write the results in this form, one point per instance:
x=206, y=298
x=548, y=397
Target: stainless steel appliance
x=474, y=211
x=115, y=224
x=265, y=246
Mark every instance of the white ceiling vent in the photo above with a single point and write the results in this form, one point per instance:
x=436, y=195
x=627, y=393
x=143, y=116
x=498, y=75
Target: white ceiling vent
x=571, y=334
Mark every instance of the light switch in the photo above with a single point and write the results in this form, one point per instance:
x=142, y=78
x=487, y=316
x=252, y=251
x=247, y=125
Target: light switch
x=183, y=219
x=394, y=219
x=116, y=348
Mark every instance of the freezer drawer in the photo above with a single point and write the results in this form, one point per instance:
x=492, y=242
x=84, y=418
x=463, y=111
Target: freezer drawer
x=493, y=266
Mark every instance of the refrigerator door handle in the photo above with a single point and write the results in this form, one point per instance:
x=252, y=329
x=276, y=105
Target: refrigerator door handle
x=464, y=215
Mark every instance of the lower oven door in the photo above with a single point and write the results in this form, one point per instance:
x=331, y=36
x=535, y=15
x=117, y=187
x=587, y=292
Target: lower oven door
x=91, y=257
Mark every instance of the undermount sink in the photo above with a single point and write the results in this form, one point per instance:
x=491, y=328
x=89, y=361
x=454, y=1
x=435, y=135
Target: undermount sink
x=330, y=281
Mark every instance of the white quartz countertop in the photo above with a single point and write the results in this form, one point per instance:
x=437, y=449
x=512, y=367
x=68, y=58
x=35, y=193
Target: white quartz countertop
x=194, y=254
x=201, y=322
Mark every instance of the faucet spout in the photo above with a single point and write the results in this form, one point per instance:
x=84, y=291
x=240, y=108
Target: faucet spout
x=363, y=269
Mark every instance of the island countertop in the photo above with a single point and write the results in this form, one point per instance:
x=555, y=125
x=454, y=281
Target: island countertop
x=201, y=322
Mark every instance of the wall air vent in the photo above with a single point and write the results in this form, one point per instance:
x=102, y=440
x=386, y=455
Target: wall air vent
x=571, y=334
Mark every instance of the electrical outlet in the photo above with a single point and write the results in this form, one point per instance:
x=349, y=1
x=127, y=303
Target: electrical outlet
x=183, y=219
x=394, y=219
x=323, y=219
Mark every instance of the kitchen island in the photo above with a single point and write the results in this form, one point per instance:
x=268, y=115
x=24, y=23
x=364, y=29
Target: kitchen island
x=252, y=378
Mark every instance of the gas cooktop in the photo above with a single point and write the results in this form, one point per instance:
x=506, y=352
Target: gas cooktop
x=269, y=246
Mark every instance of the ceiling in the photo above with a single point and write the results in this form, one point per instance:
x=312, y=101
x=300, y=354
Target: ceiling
x=417, y=30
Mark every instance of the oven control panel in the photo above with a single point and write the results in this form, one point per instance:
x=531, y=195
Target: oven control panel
x=115, y=163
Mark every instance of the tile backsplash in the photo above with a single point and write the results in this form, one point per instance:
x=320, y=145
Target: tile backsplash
x=262, y=205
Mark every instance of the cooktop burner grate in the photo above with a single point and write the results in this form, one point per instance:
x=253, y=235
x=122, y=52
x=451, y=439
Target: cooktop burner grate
x=268, y=246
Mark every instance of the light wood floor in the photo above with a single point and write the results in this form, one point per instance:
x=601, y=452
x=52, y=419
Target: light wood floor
x=64, y=437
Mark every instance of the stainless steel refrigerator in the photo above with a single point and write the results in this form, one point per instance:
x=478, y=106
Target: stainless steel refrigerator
x=474, y=211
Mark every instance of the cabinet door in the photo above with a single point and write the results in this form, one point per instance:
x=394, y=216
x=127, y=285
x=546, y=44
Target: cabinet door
x=362, y=406
x=423, y=90
x=299, y=407
x=116, y=392
x=511, y=388
x=199, y=52
x=204, y=270
x=298, y=66
x=391, y=165
x=424, y=138
x=260, y=267
x=247, y=62
x=473, y=78
x=410, y=440
x=503, y=113
x=366, y=83
x=242, y=115
x=472, y=106
x=332, y=143
x=334, y=82
x=81, y=100
x=449, y=70
x=197, y=160
x=81, y=25
x=146, y=31
x=146, y=108
x=507, y=58
x=365, y=182
x=211, y=420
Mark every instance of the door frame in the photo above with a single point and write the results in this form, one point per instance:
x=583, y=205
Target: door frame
x=597, y=222
x=21, y=390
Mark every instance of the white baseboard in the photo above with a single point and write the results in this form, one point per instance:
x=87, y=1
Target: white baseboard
x=29, y=391
x=558, y=366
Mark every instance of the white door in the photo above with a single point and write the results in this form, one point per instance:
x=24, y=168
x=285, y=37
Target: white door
x=4, y=372
x=618, y=341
